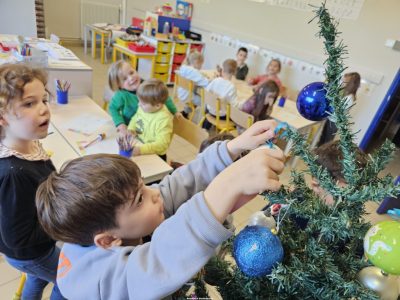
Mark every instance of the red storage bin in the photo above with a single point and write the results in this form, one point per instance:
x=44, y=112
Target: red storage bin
x=178, y=58
x=174, y=68
x=141, y=48
x=198, y=47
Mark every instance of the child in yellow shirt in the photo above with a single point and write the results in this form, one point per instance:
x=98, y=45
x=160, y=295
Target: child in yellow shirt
x=152, y=123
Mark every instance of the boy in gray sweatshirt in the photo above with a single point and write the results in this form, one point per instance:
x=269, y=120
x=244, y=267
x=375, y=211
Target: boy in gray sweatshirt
x=99, y=206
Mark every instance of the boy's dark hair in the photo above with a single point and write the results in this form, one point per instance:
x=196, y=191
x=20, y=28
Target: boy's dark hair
x=330, y=156
x=243, y=49
x=153, y=91
x=83, y=198
x=212, y=140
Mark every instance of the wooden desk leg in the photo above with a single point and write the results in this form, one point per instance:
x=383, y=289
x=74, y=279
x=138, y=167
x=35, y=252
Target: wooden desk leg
x=102, y=48
x=114, y=56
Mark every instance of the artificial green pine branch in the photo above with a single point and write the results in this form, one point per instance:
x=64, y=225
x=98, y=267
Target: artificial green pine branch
x=378, y=160
x=333, y=71
x=301, y=149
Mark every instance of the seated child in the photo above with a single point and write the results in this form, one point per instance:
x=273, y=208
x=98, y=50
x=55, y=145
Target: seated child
x=242, y=68
x=272, y=71
x=108, y=209
x=124, y=81
x=261, y=103
x=329, y=156
x=191, y=70
x=351, y=83
x=223, y=86
x=152, y=123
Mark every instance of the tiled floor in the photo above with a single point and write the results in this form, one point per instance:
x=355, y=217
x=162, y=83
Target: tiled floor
x=179, y=151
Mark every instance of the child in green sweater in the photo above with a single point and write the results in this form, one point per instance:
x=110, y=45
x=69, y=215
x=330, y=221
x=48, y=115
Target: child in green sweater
x=124, y=81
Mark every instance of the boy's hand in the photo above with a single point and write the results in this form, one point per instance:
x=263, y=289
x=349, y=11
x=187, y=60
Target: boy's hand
x=259, y=133
x=243, y=180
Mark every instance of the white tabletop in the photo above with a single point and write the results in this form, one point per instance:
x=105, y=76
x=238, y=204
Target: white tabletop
x=79, y=109
x=58, y=148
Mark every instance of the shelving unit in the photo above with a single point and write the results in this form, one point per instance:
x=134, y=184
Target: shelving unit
x=170, y=56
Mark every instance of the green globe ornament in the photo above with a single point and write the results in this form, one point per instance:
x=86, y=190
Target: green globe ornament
x=382, y=246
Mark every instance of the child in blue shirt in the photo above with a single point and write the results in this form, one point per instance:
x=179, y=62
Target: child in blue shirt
x=99, y=206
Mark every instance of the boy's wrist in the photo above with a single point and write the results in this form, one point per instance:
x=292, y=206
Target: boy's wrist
x=234, y=148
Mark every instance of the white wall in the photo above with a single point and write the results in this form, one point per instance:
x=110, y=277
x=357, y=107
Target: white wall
x=18, y=17
x=63, y=17
x=287, y=31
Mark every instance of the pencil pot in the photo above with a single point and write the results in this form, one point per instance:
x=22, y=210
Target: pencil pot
x=126, y=153
x=62, y=97
x=281, y=102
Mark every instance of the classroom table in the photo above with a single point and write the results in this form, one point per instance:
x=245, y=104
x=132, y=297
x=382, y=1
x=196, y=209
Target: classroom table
x=58, y=148
x=83, y=109
x=135, y=56
x=75, y=71
x=103, y=33
x=288, y=113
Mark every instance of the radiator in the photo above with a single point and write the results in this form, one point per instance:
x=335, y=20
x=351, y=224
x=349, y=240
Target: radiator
x=95, y=12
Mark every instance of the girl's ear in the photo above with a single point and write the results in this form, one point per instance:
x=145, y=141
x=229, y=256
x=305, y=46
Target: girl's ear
x=106, y=240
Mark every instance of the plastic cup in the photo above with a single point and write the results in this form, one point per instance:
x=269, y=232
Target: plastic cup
x=62, y=97
x=126, y=153
x=281, y=102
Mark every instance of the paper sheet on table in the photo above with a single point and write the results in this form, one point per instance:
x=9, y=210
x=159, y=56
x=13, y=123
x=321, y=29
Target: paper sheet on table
x=86, y=124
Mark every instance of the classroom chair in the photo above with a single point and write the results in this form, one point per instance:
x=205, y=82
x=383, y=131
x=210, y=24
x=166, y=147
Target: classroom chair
x=242, y=119
x=181, y=82
x=189, y=131
x=107, y=96
x=212, y=100
x=18, y=293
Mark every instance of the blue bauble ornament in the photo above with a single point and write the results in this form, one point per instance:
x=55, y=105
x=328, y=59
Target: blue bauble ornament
x=256, y=251
x=312, y=103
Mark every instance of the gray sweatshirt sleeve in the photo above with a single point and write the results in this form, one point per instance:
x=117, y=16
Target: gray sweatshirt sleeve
x=194, y=177
x=180, y=246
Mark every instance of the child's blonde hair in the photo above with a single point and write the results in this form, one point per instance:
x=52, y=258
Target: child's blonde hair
x=229, y=66
x=153, y=91
x=13, y=78
x=114, y=75
x=193, y=57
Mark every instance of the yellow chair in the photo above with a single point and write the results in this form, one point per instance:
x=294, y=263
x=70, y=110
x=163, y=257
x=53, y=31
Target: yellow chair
x=212, y=100
x=189, y=131
x=240, y=118
x=181, y=82
x=18, y=293
x=107, y=96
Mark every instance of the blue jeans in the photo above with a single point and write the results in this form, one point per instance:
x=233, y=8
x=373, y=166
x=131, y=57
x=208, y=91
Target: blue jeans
x=40, y=271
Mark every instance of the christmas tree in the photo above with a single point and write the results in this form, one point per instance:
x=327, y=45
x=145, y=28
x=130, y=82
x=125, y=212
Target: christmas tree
x=321, y=260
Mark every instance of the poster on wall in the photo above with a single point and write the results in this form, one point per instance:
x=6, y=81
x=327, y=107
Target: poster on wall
x=345, y=9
